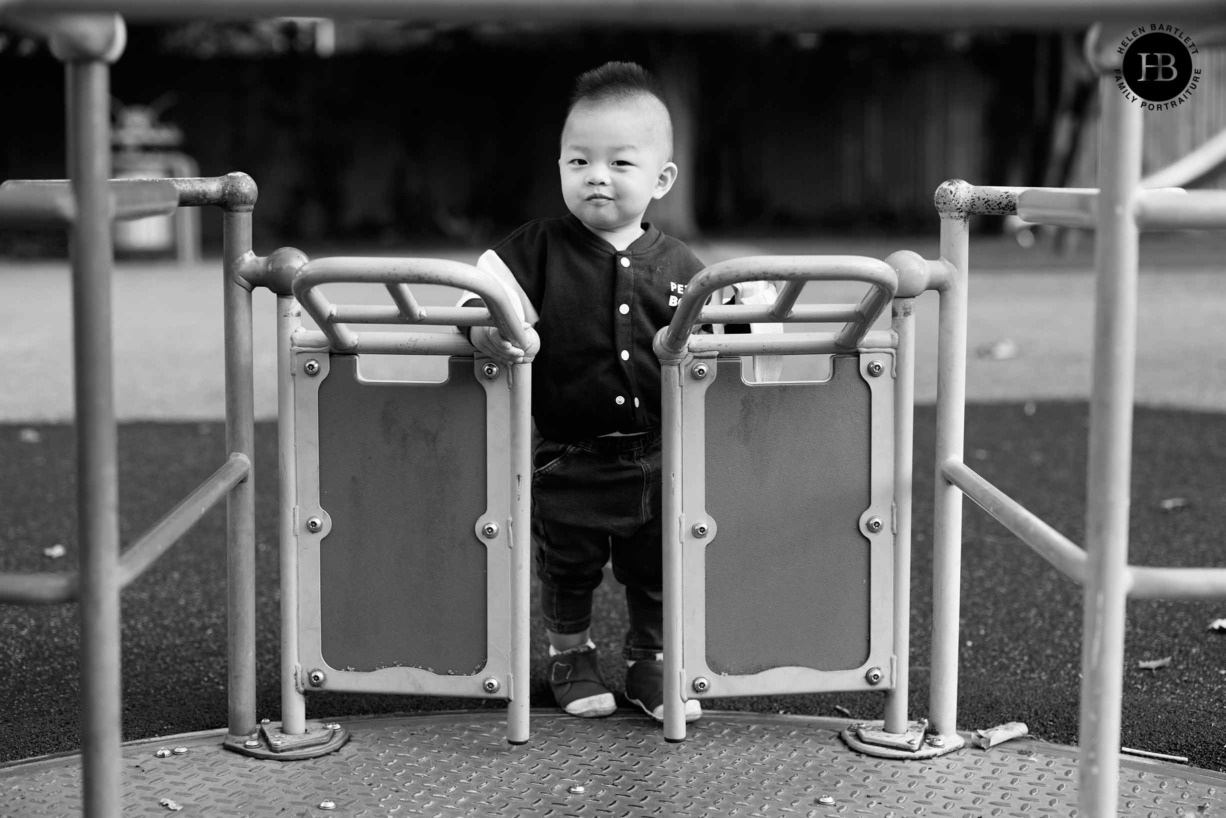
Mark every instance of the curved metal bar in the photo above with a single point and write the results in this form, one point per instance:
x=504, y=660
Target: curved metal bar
x=882, y=277
x=98, y=36
x=393, y=271
x=1176, y=583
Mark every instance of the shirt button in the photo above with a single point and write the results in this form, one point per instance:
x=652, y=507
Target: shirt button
x=624, y=309
x=625, y=354
x=619, y=400
x=625, y=261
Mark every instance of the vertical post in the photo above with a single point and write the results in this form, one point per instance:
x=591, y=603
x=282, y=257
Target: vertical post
x=896, y=703
x=89, y=159
x=521, y=549
x=293, y=702
x=1109, y=470
x=240, y=506
x=674, y=701
x=951, y=422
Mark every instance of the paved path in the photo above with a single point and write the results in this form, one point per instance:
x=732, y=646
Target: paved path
x=168, y=330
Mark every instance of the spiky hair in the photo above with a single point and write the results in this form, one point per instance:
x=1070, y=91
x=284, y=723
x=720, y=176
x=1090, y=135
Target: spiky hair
x=614, y=80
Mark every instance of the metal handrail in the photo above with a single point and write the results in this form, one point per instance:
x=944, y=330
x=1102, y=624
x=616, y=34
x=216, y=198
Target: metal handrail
x=396, y=274
x=51, y=201
x=795, y=271
x=49, y=588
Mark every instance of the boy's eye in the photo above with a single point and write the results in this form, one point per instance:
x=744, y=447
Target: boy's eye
x=622, y=163
x=578, y=161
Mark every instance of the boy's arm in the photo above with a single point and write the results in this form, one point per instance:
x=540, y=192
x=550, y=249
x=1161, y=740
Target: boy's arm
x=488, y=339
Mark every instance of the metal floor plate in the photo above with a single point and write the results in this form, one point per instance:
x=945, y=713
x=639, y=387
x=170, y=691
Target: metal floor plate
x=732, y=764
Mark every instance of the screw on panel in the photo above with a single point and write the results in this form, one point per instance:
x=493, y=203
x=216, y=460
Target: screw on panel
x=874, y=676
x=490, y=370
x=332, y=725
x=252, y=743
x=315, y=525
x=490, y=530
x=491, y=685
x=700, y=529
x=875, y=368
x=826, y=801
x=935, y=741
x=702, y=684
x=327, y=805
x=576, y=789
x=317, y=677
x=699, y=371
x=311, y=367
x=162, y=752
x=875, y=524
x=180, y=751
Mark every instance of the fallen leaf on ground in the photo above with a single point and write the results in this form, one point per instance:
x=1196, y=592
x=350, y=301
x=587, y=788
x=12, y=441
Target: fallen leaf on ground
x=1154, y=664
x=30, y=436
x=56, y=551
x=1173, y=504
x=1218, y=625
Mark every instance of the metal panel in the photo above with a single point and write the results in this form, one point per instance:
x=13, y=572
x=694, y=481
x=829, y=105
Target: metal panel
x=789, y=589
x=399, y=592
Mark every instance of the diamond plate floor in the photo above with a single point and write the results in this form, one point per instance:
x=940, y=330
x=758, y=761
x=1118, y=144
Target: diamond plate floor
x=732, y=764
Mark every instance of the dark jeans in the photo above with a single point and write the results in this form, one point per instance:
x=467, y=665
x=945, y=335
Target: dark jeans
x=590, y=500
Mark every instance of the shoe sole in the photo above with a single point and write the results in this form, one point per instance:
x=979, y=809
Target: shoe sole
x=691, y=716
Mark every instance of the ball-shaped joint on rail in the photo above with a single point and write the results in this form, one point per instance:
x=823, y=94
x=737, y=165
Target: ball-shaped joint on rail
x=238, y=192
x=914, y=273
x=953, y=199
x=279, y=270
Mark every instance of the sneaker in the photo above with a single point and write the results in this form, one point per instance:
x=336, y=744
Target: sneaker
x=574, y=677
x=645, y=687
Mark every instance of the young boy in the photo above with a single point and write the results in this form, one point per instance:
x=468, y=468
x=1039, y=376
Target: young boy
x=602, y=282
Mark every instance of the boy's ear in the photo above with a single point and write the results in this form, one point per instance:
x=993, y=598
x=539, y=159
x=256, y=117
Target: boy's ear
x=664, y=182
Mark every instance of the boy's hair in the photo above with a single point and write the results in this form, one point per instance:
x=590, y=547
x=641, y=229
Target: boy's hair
x=614, y=80
x=620, y=81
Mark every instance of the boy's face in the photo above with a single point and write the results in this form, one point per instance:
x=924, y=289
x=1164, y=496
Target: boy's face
x=614, y=161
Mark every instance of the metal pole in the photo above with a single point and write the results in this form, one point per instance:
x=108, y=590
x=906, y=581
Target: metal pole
x=521, y=545
x=89, y=158
x=1109, y=470
x=896, y=703
x=674, y=610
x=240, y=439
x=947, y=528
x=293, y=701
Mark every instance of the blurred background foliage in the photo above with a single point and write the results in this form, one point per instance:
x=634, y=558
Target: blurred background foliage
x=381, y=133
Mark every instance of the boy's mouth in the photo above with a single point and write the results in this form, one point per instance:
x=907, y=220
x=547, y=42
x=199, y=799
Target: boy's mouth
x=599, y=197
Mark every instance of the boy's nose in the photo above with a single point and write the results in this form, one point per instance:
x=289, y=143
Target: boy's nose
x=597, y=175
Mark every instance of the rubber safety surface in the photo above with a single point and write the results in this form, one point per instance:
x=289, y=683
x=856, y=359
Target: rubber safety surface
x=732, y=764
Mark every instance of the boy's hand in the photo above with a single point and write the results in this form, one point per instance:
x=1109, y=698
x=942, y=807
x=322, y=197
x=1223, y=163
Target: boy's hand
x=490, y=341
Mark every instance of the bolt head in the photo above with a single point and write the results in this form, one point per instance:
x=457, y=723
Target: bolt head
x=699, y=371
x=162, y=752
x=826, y=800
x=576, y=789
x=332, y=725
x=490, y=530
x=180, y=751
x=875, y=524
x=490, y=370
x=317, y=677
x=700, y=529
x=874, y=676
x=315, y=525
x=491, y=685
x=327, y=805
x=252, y=743
x=875, y=368
x=701, y=685
x=311, y=367
x=935, y=741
